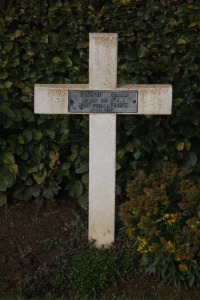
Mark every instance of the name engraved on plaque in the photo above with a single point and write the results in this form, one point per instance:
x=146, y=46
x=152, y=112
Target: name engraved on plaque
x=102, y=101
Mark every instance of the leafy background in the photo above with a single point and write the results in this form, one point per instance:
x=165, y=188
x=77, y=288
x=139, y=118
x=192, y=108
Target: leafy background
x=47, y=42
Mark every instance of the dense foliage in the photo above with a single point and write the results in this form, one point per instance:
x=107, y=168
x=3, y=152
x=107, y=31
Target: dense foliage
x=93, y=270
x=47, y=42
x=162, y=216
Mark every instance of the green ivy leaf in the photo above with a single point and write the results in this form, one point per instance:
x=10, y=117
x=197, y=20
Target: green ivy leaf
x=73, y=156
x=6, y=181
x=137, y=154
x=27, y=114
x=40, y=176
x=55, y=6
x=5, y=109
x=76, y=189
x=82, y=45
x=192, y=24
x=118, y=166
x=3, y=199
x=3, y=185
x=68, y=62
x=17, y=34
x=180, y=146
x=9, y=158
x=189, y=162
x=57, y=60
x=129, y=147
x=48, y=194
x=21, y=139
x=54, y=156
x=85, y=178
x=181, y=42
x=82, y=168
x=15, y=62
x=33, y=170
x=66, y=166
x=178, y=101
x=50, y=133
x=4, y=75
x=37, y=135
x=8, y=84
x=83, y=201
x=120, y=153
x=27, y=134
x=182, y=8
x=13, y=168
x=35, y=190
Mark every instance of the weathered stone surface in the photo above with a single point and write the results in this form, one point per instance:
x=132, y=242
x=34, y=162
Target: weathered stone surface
x=102, y=142
x=153, y=99
x=103, y=61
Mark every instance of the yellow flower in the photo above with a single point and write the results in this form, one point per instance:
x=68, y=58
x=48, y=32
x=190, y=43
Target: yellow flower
x=194, y=261
x=150, y=248
x=170, y=247
x=142, y=249
x=178, y=258
x=166, y=216
x=130, y=231
x=142, y=241
x=194, y=227
x=183, y=267
x=181, y=257
x=171, y=218
x=143, y=245
x=171, y=221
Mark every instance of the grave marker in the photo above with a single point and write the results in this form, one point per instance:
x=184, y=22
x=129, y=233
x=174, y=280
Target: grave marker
x=102, y=99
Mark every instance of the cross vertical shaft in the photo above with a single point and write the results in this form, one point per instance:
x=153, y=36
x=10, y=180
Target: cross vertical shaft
x=102, y=145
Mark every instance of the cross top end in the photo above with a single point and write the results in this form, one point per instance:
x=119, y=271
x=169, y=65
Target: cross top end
x=100, y=35
x=103, y=61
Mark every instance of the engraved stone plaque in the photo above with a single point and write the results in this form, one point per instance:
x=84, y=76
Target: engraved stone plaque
x=102, y=101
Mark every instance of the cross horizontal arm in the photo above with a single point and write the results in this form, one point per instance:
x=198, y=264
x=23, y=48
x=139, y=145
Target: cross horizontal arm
x=153, y=99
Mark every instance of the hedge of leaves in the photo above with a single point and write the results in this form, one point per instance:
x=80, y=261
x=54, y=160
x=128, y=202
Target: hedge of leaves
x=47, y=42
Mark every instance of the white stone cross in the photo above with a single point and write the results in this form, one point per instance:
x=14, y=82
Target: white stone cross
x=101, y=107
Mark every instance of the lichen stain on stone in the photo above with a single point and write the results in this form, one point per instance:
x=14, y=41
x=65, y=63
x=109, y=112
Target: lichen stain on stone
x=103, y=60
x=154, y=101
x=57, y=100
